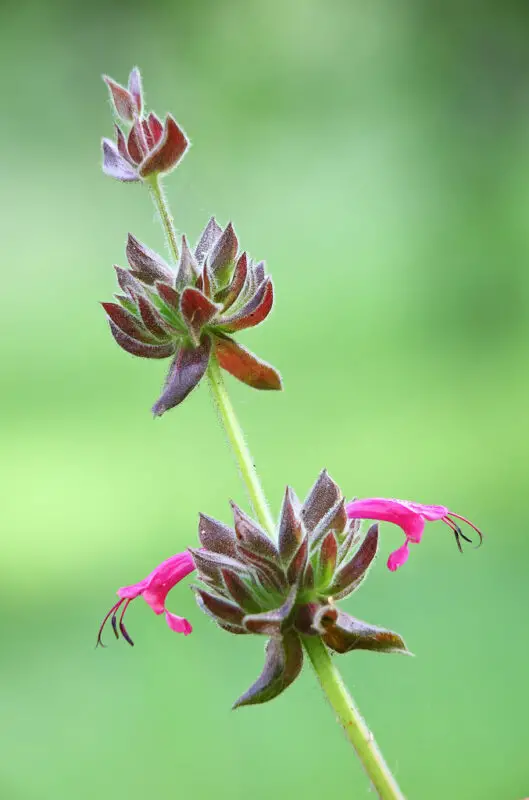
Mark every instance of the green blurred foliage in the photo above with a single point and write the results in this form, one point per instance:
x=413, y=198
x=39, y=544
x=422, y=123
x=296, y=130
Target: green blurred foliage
x=377, y=155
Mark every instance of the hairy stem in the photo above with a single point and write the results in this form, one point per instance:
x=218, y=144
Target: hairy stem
x=330, y=680
x=162, y=206
x=240, y=448
x=351, y=720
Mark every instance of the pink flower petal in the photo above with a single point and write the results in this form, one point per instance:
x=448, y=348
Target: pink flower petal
x=396, y=511
x=162, y=579
x=398, y=557
x=430, y=513
x=132, y=591
x=178, y=624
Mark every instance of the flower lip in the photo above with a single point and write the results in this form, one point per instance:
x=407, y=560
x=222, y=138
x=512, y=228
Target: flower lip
x=154, y=590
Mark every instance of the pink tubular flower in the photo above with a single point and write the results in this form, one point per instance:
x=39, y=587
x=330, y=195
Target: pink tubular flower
x=411, y=517
x=154, y=589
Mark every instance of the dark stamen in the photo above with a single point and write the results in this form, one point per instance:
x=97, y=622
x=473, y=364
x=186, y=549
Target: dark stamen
x=122, y=627
x=464, y=519
x=112, y=613
x=115, y=625
x=456, y=530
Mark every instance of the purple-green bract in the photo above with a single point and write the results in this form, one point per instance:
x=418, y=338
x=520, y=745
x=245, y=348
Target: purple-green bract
x=192, y=313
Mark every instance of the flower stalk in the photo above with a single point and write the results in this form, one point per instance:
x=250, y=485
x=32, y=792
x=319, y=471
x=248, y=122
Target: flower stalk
x=160, y=201
x=351, y=720
x=221, y=398
x=329, y=677
x=239, y=447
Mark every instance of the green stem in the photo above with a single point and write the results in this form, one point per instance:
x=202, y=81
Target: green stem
x=330, y=680
x=351, y=720
x=157, y=193
x=239, y=446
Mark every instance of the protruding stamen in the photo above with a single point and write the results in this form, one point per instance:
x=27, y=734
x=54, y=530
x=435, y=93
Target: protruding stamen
x=122, y=627
x=115, y=624
x=111, y=613
x=456, y=530
x=458, y=533
x=471, y=524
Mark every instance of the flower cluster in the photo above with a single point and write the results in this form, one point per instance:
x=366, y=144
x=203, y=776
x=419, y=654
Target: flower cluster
x=252, y=585
x=282, y=592
x=192, y=313
x=150, y=146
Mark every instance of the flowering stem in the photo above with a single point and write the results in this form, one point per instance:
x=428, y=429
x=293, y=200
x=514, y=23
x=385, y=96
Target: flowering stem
x=158, y=196
x=240, y=448
x=218, y=389
x=351, y=720
x=331, y=682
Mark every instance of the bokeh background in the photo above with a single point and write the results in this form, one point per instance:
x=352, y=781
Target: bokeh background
x=377, y=155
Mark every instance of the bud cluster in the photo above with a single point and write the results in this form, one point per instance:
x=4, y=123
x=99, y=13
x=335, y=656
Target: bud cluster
x=150, y=147
x=192, y=314
x=289, y=590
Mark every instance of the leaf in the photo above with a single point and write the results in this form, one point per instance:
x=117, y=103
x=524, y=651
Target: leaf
x=208, y=237
x=230, y=293
x=134, y=145
x=216, y=536
x=121, y=98
x=187, y=266
x=291, y=531
x=298, y=564
x=223, y=255
x=140, y=349
x=276, y=621
x=135, y=89
x=350, y=575
x=156, y=127
x=245, y=365
x=343, y=633
x=147, y=134
x=334, y=520
x=169, y=295
x=168, y=152
x=259, y=271
x=128, y=323
x=283, y=662
x=253, y=312
x=351, y=537
x=328, y=554
x=115, y=165
x=186, y=371
x=122, y=144
x=322, y=497
x=146, y=265
x=270, y=575
x=152, y=320
x=252, y=536
x=217, y=607
x=204, y=281
x=197, y=310
x=128, y=304
x=210, y=566
x=128, y=282
x=239, y=590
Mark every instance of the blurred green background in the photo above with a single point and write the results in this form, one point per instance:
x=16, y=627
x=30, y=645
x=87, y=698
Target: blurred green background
x=377, y=155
